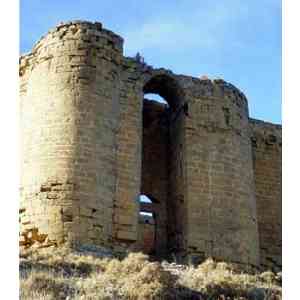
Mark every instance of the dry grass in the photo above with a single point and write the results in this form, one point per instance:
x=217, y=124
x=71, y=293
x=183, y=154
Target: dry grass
x=62, y=274
x=215, y=279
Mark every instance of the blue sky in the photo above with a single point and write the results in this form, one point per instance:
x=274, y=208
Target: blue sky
x=237, y=40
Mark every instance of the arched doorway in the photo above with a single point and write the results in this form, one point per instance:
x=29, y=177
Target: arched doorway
x=162, y=162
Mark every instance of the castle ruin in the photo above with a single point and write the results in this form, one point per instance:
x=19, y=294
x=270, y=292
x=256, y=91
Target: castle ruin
x=91, y=145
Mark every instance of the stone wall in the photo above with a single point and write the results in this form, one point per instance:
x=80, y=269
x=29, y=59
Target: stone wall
x=177, y=199
x=266, y=147
x=128, y=160
x=91, y=145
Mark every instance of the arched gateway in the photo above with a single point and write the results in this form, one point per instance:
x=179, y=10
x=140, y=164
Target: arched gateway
x=162, y=161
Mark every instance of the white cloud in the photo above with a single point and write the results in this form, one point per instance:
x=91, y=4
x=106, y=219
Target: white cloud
x=196, y=25
x=201, y=28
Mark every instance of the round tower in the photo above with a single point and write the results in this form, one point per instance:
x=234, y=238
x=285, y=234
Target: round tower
x=69, y=115
x=220, y=191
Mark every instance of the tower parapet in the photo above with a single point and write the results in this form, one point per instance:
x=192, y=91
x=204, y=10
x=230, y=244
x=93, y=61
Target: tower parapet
x=65, y=37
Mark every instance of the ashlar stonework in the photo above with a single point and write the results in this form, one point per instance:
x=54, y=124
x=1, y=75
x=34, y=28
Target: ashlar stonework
x=91, y=145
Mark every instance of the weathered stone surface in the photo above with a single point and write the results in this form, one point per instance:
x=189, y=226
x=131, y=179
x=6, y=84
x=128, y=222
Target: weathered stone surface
x=266, y=145
x=91, y=145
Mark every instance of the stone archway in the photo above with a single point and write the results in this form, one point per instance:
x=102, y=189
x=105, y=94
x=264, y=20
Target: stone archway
x=162, y=162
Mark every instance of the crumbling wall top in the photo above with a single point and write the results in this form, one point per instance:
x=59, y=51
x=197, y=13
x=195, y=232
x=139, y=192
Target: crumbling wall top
x=96, y=35
x=199, y=87
x=265, y=133
x=77, y=29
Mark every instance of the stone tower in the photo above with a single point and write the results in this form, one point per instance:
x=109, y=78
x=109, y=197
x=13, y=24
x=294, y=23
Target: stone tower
x=91, y=145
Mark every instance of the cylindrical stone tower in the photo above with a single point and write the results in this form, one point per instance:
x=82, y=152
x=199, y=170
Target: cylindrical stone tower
x=221, y=209
x=69, y=115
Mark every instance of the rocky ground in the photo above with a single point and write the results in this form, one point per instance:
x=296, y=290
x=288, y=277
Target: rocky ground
x=53, y=273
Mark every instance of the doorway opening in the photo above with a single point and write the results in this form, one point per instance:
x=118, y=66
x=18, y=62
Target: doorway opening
x=147, y=224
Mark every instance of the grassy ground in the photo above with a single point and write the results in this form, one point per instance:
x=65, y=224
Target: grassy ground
x=61, y=274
